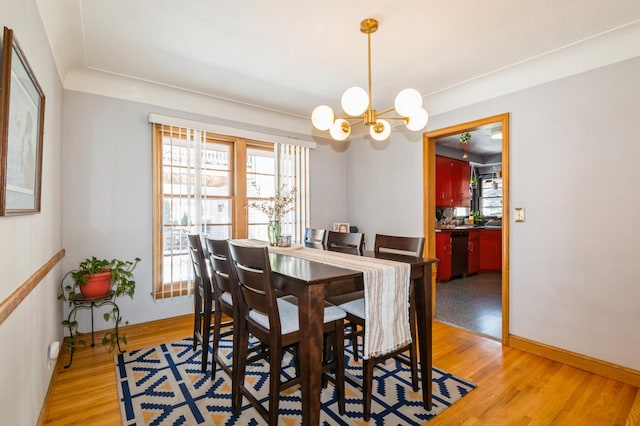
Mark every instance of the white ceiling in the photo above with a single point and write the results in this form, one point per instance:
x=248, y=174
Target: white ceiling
x=291, y=55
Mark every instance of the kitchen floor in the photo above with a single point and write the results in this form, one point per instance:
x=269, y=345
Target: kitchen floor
x=473, y=303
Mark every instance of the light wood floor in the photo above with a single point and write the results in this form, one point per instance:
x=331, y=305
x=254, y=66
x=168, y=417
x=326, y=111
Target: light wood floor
x=514, y=387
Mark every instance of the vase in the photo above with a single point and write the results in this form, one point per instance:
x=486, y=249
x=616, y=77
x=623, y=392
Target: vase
x=96, y=286
x=274, y=231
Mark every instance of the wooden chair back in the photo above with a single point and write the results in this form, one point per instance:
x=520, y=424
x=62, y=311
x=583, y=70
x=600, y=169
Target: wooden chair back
x=410, y=246
x=251, y=271
x=219, y=261
x=314, y=238
x=198, y=261
x=345, y=242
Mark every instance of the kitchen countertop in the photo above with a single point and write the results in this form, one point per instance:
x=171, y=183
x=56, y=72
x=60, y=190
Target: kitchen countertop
x=468, y=228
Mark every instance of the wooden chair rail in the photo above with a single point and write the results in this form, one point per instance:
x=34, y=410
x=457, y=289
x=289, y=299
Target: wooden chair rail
x=9, y=304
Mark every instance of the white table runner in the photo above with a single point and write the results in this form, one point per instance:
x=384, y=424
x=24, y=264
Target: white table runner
x=386, y=295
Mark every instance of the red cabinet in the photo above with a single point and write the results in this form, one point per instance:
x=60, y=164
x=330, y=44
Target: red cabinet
x=443, y=253
x=491, y=250
x=444, y=196
x=452, y=182
x=473, y=266
x=460, y=175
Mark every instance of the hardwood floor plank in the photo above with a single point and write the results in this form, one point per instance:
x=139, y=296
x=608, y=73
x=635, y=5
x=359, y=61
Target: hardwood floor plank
x=514, y=387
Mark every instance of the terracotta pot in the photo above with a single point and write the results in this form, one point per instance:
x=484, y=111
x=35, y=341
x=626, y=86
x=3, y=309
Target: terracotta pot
x=97, y=286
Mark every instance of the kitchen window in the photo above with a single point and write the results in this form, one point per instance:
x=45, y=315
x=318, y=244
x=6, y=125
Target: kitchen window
x=491, y=197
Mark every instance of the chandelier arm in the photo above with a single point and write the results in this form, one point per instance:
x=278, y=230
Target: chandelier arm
x=360, y=121
x=386, y=111
x=352, y=117
x=369, y=66
x=405, y=119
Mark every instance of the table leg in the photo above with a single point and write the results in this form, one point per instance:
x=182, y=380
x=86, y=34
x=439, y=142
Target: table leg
x=311, y=313
x=422, y=287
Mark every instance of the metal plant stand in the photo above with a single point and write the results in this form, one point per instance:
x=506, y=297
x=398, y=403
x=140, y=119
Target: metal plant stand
x=80, y=302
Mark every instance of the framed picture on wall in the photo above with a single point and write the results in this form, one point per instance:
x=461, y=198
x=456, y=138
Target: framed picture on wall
x=340, y=227
x=21, y=132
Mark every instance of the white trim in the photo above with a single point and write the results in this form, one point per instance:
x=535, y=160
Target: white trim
x=227, y=131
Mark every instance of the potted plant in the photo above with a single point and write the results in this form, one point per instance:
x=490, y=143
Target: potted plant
x=275, y=208
x=473, y=182
x=477, y=217
x=94, y=278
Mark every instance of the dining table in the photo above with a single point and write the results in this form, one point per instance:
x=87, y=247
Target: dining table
x=313, y=281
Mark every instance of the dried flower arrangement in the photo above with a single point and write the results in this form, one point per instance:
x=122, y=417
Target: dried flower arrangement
x=277, y=206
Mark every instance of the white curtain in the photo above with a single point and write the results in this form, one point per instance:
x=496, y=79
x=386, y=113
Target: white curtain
x=293, y=163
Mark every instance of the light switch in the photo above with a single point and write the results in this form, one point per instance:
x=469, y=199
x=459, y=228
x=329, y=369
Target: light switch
x=519, y=213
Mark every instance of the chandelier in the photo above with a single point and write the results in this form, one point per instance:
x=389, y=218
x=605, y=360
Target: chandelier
x=356, y=102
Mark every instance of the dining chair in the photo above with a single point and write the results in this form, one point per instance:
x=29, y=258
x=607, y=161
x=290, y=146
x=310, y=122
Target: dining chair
x=203, y=302
x=345, y=242
x=223, y=301
x=274, y=322
x=355, y=314
x=350, y=243
x=314, y=238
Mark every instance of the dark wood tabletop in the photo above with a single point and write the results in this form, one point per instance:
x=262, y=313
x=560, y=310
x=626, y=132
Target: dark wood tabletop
x=311, y=282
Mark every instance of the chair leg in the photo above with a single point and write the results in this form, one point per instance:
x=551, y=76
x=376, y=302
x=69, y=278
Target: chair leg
x=206, y=332
x=367, y=385
x=413, y=351
x=241, y=345
x=197, y=318
x=328, y=345
x=216, y=339
x=354, y=340
x=275, y=367
x=339, y=368
x=296, y=358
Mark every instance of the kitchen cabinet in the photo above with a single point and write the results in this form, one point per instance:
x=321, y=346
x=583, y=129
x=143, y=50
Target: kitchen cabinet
x=491, y=250
x=474, y=252
x=444, y=195
x=460, y=174
x=452, y=182
x=443, y=253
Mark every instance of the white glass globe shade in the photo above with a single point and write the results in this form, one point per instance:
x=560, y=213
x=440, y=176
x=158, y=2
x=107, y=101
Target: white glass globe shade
x=355, y=101
x=408, y=102
x=322, y=117
x=381, y=130
x=340, y=129
x=418, y=120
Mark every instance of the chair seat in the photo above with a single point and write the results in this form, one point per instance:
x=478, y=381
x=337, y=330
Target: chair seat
x=354, y=307
x=289, y=316
x=344, y=298
x=226, y=297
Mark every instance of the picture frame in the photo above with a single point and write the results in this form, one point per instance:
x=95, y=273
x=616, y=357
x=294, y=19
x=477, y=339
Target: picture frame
x=21, y=131
x=340, y=227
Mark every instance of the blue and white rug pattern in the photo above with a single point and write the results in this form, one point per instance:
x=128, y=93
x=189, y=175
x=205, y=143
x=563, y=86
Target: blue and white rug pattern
x=163, y=385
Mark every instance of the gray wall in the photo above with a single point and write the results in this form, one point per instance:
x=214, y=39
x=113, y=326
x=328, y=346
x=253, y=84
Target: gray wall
x=108, y=196
x=574, y=155
x=29, y=241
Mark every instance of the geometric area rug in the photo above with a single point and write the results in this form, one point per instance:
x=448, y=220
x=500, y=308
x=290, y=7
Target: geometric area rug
x=163, y=385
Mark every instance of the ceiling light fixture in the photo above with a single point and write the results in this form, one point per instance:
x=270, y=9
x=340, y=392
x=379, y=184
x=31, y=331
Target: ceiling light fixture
x=496, y=133
x=357, y=103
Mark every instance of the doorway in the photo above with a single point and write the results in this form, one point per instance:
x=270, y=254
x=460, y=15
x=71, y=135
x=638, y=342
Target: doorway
x=429, y=151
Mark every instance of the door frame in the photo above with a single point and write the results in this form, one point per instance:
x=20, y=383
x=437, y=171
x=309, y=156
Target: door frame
x=429, y=179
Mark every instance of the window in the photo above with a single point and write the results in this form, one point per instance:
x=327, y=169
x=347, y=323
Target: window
x=260, y=185
x=203, y=183
x=491, y=197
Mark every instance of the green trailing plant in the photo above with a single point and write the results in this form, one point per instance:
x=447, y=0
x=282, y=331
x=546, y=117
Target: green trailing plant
x=465, y=138
x=122, y=283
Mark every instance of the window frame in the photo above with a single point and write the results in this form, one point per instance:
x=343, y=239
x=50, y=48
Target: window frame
x=238, y=148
